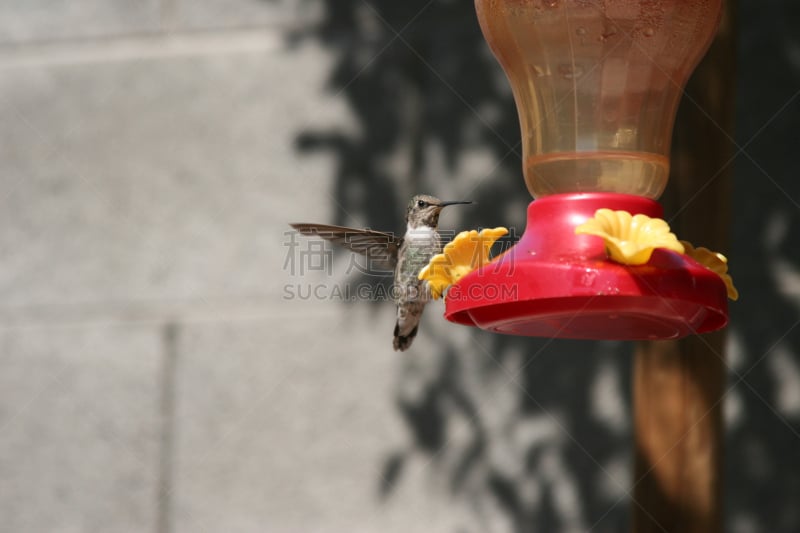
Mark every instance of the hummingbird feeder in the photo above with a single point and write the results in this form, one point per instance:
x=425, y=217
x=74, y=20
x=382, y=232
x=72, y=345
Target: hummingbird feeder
x=597, y=84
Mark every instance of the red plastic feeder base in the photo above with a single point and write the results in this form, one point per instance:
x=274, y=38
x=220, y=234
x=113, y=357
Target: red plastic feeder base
x=554, y=283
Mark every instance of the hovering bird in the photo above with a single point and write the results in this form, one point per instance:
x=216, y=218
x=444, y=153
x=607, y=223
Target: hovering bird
x=405, y=255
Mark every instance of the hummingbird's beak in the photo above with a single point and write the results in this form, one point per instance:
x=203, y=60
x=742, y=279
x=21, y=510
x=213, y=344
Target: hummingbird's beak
x=456, y=202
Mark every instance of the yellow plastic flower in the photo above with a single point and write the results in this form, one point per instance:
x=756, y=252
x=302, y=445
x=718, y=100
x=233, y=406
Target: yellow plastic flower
x=468, y=251
x=715, y=262
x=630, y=240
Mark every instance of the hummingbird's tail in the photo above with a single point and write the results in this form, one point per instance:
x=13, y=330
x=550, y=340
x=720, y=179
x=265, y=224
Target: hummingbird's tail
x=403, y=342
x=405, y=329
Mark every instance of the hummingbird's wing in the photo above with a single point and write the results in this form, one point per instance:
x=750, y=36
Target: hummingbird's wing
x=379, y=247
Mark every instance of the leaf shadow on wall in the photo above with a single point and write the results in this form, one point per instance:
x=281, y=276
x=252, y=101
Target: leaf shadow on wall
x=543, y=433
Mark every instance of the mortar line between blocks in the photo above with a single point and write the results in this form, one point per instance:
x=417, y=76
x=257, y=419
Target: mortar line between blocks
x=168, y=15
x=162, y=44
x=166, y=457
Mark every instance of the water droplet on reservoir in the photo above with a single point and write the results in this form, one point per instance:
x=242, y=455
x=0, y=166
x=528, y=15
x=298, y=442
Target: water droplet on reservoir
x=608, y=32
x=570, y=72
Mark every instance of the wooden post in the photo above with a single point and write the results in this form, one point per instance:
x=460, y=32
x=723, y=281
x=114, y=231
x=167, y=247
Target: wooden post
x=678, y=385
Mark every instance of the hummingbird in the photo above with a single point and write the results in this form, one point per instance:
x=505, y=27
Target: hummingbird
x=405, y=255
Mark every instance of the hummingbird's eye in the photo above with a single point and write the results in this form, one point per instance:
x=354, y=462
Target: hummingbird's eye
x=422, y=203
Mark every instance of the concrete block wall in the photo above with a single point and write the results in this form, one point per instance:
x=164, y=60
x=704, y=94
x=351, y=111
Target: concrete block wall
x=151, y=377
x=154, y=376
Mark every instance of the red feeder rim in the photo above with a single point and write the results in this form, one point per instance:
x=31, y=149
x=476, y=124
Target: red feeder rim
x=556, y=284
